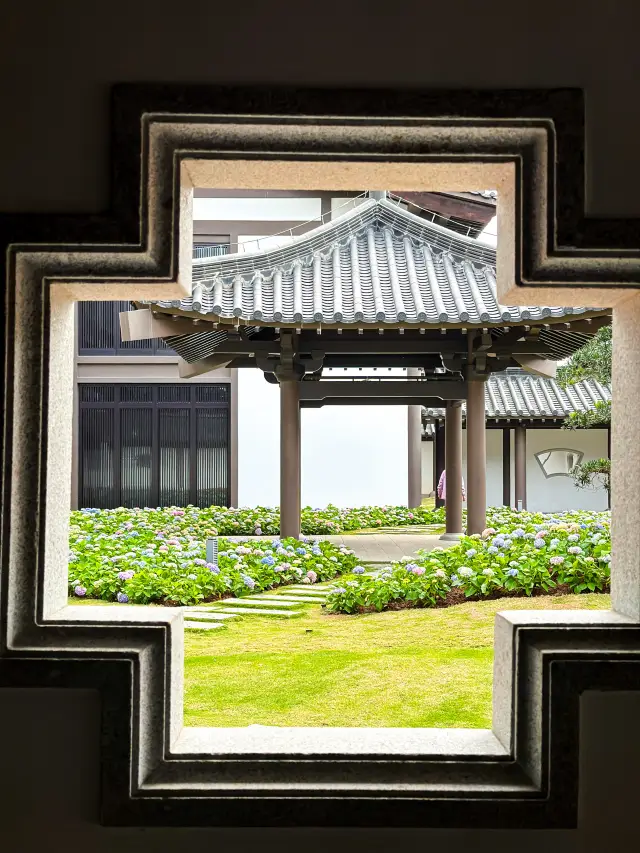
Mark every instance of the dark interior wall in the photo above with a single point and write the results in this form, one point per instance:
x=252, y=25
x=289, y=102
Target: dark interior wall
x=57, y=63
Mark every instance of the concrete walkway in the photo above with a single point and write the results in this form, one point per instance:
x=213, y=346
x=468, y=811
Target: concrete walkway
x=387, y=547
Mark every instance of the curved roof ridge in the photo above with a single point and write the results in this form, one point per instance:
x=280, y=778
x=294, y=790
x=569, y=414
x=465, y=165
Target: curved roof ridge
x=338, y=232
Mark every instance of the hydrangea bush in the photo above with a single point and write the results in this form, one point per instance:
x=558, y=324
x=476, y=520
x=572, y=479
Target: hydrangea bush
x=261, y=520
x=518, y=554
x=144, y=556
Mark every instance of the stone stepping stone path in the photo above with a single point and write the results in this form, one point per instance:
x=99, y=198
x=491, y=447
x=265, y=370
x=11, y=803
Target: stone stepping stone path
x=202, y=626
x=290, y=604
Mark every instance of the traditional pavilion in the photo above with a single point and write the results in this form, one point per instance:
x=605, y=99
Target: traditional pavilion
x=378, y=287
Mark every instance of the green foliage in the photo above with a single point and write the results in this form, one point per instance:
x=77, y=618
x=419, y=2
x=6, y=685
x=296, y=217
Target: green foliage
x=594, y=474
x=145, y=556
x=592, y=361
x=599, y=416
x=520, y=553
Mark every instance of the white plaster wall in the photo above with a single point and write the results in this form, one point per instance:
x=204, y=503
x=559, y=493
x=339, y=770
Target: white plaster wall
x=427, y=467
x=351, y=455
x=258, y=440
x=543, y=494
x=557, y=493
x=342, y=205
x=257, y=209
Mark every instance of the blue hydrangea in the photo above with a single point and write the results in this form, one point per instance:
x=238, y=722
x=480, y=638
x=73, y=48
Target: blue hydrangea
x=301, y=551
x=539, y=543
x=512, y=573
x=554, y=543
x=529, y=536
x=455, y=580
x=498, y=541
x=492, y=549
x=248, y=582
x=269, y=560
x=123, y=598
x=213, y=569
x=316, y=551
x=471, y=552
x=358, y=570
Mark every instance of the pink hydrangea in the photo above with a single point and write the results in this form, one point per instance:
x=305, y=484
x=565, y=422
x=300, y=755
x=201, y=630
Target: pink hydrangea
x=490, y=531
x=313, y=577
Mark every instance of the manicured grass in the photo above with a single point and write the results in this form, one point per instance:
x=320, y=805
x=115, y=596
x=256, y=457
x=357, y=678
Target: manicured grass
x=427, y=667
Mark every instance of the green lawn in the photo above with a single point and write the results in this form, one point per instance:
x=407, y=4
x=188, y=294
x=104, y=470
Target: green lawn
x=405, y=668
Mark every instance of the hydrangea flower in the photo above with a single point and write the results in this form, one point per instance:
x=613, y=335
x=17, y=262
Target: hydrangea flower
x=358, y=570
x=123, y=598
x=440, y=573
x=605, y=558
x=513, y=573
x=471, y=553
x=80, y=590
x=248, y=582
x=268, y=560
x=312, y=576
x=575, y=550
x=573, y=537
x=465, y=572
x=488, y=572
x=125, y=576
x=492, y=549
x=539, y=543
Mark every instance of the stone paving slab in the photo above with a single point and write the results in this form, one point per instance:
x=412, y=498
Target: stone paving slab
x=256, y=602
x=268, y=612
x=209, y=615
x=203, y=626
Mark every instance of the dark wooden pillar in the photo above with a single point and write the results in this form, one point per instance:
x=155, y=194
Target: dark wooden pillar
x=453, y=468
x=438, y=459
x=476, y=457
x=609, y=458
x=520, y=453
x=290, y=459
x=414, y=448
x=506, y=467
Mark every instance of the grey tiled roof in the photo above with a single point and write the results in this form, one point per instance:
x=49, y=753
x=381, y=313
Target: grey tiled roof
x=376, y=264
x=516, y=394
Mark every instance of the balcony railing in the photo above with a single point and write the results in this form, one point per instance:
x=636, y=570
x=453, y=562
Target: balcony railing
x=210, y=251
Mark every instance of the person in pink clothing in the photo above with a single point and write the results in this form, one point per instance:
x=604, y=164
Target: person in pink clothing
x=442, y=487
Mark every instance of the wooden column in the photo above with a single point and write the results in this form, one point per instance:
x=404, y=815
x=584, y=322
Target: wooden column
x=290, y=459
x=476, y=457
x=609, y=458
x=453, y=468
x=506, y=467
x=438, y=459
x=414, y=451
x=520, y=453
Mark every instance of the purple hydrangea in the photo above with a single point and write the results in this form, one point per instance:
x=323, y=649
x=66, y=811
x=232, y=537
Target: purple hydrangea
x=80, y=590
x=248, y=582
x=358, y=570
x=539, y=543
x=492, y=549
x=573, y=538
x=126, y=576
x=123, y=598
x=513, y=573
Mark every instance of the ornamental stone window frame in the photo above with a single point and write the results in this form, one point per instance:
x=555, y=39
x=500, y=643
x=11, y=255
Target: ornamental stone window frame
x=166, y=141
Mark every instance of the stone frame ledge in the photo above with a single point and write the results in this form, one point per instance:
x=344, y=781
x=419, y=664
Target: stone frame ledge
x=167, y=140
